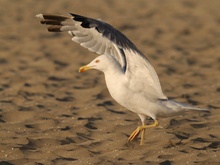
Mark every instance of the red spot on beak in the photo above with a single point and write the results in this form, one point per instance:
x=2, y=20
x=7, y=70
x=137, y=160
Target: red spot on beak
x=84, y=68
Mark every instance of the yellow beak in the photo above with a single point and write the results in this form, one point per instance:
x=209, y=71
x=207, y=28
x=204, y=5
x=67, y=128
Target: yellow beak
x=84, y=68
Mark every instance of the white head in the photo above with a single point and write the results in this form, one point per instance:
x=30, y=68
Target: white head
x=101, y=63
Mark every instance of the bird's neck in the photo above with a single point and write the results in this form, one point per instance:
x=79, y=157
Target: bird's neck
x=114, y=81
x=113, y=71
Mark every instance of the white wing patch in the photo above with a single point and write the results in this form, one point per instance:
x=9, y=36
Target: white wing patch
x=142, y=76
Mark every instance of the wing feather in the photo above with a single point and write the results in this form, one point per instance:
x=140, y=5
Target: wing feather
x=143, y=77
x=96, y=47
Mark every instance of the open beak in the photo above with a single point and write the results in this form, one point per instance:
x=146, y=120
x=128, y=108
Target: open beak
x=84, y=68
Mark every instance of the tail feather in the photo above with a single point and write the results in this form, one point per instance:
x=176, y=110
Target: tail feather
x=177, y=106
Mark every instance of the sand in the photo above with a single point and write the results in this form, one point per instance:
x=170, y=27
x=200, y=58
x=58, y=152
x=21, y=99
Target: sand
x=51, y=114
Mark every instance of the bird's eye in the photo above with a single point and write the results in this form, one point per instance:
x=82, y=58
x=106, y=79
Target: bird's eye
x=97, y=61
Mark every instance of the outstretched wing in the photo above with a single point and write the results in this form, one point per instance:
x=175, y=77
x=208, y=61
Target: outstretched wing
x=92, y=34
x=102, y=38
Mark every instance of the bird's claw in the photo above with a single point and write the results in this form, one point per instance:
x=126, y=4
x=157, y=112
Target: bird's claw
x=135, y=133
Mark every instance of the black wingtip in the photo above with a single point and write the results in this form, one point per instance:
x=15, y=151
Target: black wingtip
x=54, y=28
x=76, y=15
x=86, y=22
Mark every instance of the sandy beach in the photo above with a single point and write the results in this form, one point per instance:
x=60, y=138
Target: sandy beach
x=52, y=114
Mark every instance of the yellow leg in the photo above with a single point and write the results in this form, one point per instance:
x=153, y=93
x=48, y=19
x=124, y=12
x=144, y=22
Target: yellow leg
x=142, y=136
x=142, y=130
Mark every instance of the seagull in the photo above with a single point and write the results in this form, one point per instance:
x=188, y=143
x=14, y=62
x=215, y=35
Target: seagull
x=130, y=77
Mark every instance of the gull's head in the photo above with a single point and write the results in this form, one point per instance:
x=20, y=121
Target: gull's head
x=101, y=63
